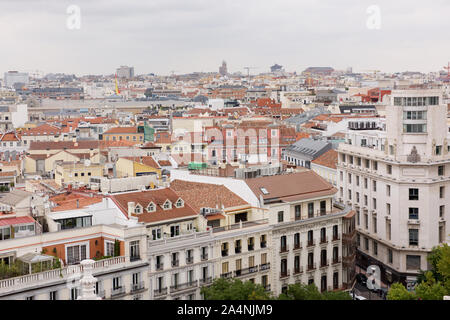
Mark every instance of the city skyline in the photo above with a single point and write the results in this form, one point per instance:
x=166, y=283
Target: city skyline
x=165, y=36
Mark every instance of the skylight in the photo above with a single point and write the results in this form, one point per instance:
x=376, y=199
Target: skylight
x=264, y=190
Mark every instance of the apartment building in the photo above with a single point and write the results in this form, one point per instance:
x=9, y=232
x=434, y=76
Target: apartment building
x=398, y=183
x=121, y=266
x=307, y=227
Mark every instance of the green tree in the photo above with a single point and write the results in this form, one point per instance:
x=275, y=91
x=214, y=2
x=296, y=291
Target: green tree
x=399, y=292
x=300, y=291
x=430, y=289
x=234, y=289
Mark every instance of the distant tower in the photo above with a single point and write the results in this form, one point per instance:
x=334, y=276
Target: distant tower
x=223, y=69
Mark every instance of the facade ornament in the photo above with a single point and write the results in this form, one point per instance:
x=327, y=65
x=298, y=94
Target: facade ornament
x=413, y=156
x=88, y=281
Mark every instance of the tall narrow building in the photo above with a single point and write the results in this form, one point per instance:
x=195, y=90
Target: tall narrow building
x=398, y=183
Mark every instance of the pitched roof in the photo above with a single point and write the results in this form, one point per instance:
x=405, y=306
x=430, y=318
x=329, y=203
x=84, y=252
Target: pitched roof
x=290, y=187
x=206, y=195
x=55, y=145
x=45, y=129
x=147, y=160
x=14, y=196
x=10, y=136
x=15, y=221
x=121, y=130
x=158, y=197
x=328, y=159
x=68, y=201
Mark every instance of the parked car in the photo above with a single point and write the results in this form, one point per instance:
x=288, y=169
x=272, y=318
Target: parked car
x=361, y=279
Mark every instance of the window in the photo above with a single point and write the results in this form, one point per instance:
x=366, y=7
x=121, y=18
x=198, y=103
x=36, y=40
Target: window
x=374, y=202
x=366, y=221
x=180, y=203
x=75, y=254
x=349, y=178
x=53, y=295
x=109, y=248
x=389, y=169
x=413, y=237
x=167, y=205
x=374, y=224
x=73, y=294
x=151, y=207
x=297, y=212
x=388, y=229
x=412, y=262
x=390, y=258
x=174, y=231
x=116, y=283
x=156, y=234
x=440, y=170
x=414, y=213
x=264, y=190
x=366, y=243
x=441, y=211
x=388, y=190
x=441, y=192
x=134, y=250
x=388, y=208
x=138, y=209
x=311, y=210
x=438, y=150
x=280, y=216
x=357, y=181
x=413, y=194
x=374, y=185
x=365, y=183
x=414, y=128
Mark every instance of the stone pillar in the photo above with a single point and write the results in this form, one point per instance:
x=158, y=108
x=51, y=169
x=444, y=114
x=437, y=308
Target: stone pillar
x=87, y=281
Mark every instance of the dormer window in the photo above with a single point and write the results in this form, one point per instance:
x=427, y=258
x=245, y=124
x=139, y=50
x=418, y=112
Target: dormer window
x=167, y=205
x=179, y=203
x=151, y=207
x=138, y=209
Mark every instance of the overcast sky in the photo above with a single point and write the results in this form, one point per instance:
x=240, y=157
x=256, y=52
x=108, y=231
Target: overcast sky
x=160, y=36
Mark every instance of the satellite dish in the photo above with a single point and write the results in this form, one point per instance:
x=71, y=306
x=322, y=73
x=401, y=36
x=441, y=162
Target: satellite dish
x=87, y=162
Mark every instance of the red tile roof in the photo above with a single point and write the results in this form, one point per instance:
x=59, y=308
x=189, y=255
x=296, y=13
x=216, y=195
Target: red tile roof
x=15, y=221
x=158, y=197
x=119, y=130
x=328, y=159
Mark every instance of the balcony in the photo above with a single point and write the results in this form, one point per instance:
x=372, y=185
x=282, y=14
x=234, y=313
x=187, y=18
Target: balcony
x=204, y=256
x=237, y=250
x=311, y=267
x=226, y=275
x=348, y=237
x=263, y=244
x=267, y=287
x=175, y=263
x=284, y=274
x=311, y=243
x=184, y=286
x=137, y=286
x=189, y=260
x=115, y=292
x=160, y=292
x=324, y=263
x=323, y=239
x=159, y=266
x=264, y=266
x=135, y=258
x=297, y=246
x=205, y=281
x=246, y=271
x=298, y=270
x=284, y=248
x=336, y=237
x=336, y=260
x=251, y=247
x=224, y=253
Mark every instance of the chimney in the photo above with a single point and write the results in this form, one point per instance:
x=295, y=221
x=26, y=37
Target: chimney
x=130, y=208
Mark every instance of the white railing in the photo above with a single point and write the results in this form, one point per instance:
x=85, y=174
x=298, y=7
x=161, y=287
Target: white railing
x=56, y=274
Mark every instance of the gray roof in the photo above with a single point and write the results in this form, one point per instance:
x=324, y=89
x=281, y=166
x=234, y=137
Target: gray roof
x=308, y=146
x=14, y=197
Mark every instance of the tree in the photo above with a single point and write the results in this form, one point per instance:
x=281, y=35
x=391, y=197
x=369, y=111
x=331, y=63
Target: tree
x=300, y=291
x=399, y=292
x=227, y=289
x=430, y=289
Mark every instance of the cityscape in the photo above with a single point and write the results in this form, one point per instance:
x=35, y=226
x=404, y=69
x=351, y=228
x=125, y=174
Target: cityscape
x=242, y=182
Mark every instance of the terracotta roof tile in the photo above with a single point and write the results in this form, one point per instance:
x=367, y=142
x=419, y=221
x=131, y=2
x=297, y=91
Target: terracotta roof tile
x=327, y=159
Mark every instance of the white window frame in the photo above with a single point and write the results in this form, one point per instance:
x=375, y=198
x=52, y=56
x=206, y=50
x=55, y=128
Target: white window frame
x=181, y=205
x=141, y=209
x=86, y=243
x=106, y=248
x=151, y=204
x=169, y=203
